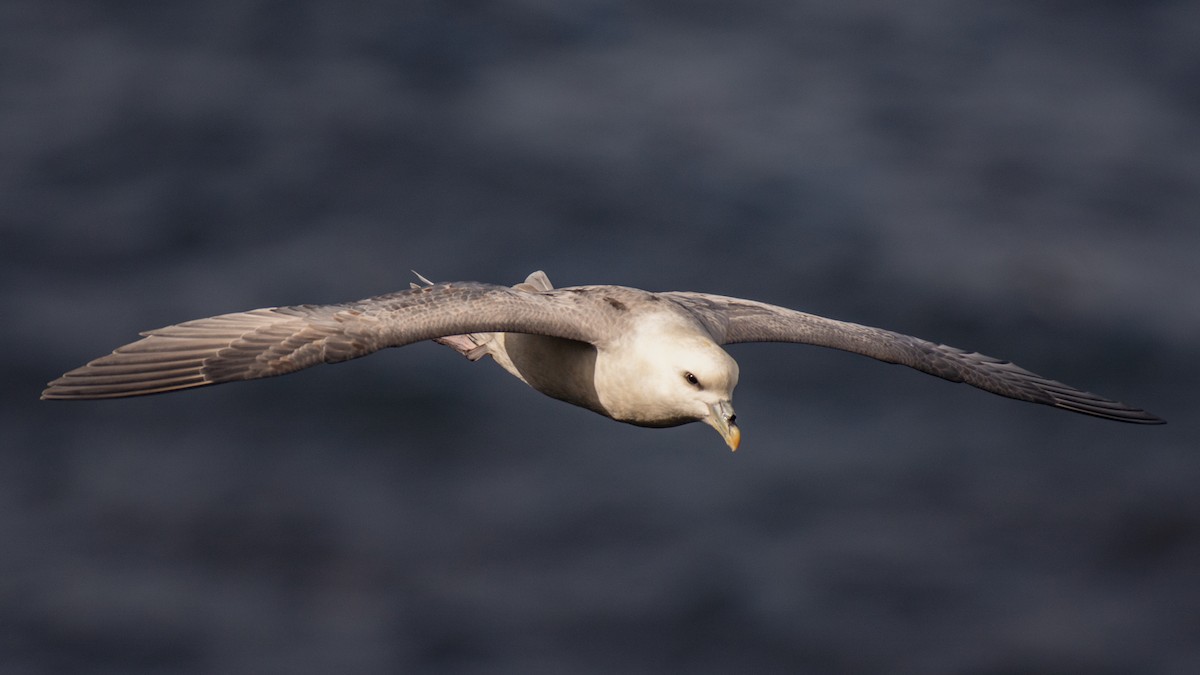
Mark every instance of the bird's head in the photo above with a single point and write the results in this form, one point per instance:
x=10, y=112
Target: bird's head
x=669, y=376
x=697, y=380
x=708, y=383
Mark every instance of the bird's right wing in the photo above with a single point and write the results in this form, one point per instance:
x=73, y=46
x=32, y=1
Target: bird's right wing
x=732, y=320
x=278, y=340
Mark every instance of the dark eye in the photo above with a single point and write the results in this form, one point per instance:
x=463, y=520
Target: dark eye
x=691, y=379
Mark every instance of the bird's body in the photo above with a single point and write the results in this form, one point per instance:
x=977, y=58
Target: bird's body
x=645, y=358
x=613, y=377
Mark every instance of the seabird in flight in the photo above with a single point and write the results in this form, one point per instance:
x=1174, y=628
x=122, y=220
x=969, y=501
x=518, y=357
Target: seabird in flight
x=644, y=358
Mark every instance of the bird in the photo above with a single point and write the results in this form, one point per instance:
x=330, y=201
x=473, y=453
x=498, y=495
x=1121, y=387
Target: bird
x=651, y=359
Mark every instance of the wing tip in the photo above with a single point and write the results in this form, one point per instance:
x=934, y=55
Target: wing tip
x=1117, y=412
x=68, y=389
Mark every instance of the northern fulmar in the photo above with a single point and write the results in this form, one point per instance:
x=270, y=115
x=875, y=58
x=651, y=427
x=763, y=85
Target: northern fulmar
x=640, y=357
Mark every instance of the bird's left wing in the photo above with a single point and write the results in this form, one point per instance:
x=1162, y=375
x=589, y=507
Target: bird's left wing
x=731, y=320
x=277, y=340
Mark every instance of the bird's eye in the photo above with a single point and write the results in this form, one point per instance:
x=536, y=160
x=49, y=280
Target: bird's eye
x=691, y=379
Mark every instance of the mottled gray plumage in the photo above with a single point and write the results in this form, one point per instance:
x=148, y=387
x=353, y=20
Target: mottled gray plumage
x=636, y=356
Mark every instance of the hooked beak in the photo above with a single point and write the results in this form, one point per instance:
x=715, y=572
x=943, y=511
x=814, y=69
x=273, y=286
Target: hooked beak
x=721, y=417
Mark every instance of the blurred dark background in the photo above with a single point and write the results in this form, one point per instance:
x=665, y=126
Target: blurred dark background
x=1019, y=178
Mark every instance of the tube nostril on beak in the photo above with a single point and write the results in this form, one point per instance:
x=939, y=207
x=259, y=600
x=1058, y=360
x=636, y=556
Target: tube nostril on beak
x=732, y=419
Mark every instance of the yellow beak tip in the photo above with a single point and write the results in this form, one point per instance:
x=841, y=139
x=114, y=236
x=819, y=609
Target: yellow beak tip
x=734, y=438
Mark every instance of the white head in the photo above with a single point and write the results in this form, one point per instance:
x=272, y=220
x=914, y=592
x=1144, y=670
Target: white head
x=708, y=376
x=674, y=380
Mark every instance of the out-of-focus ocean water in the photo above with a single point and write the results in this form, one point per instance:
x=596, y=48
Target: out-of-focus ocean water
x=1018, y=178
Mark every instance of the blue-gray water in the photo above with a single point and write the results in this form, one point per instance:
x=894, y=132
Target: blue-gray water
x=1020, y=178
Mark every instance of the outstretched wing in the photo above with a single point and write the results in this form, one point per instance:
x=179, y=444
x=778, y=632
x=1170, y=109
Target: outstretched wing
x=278, y=340
x=731, y=320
